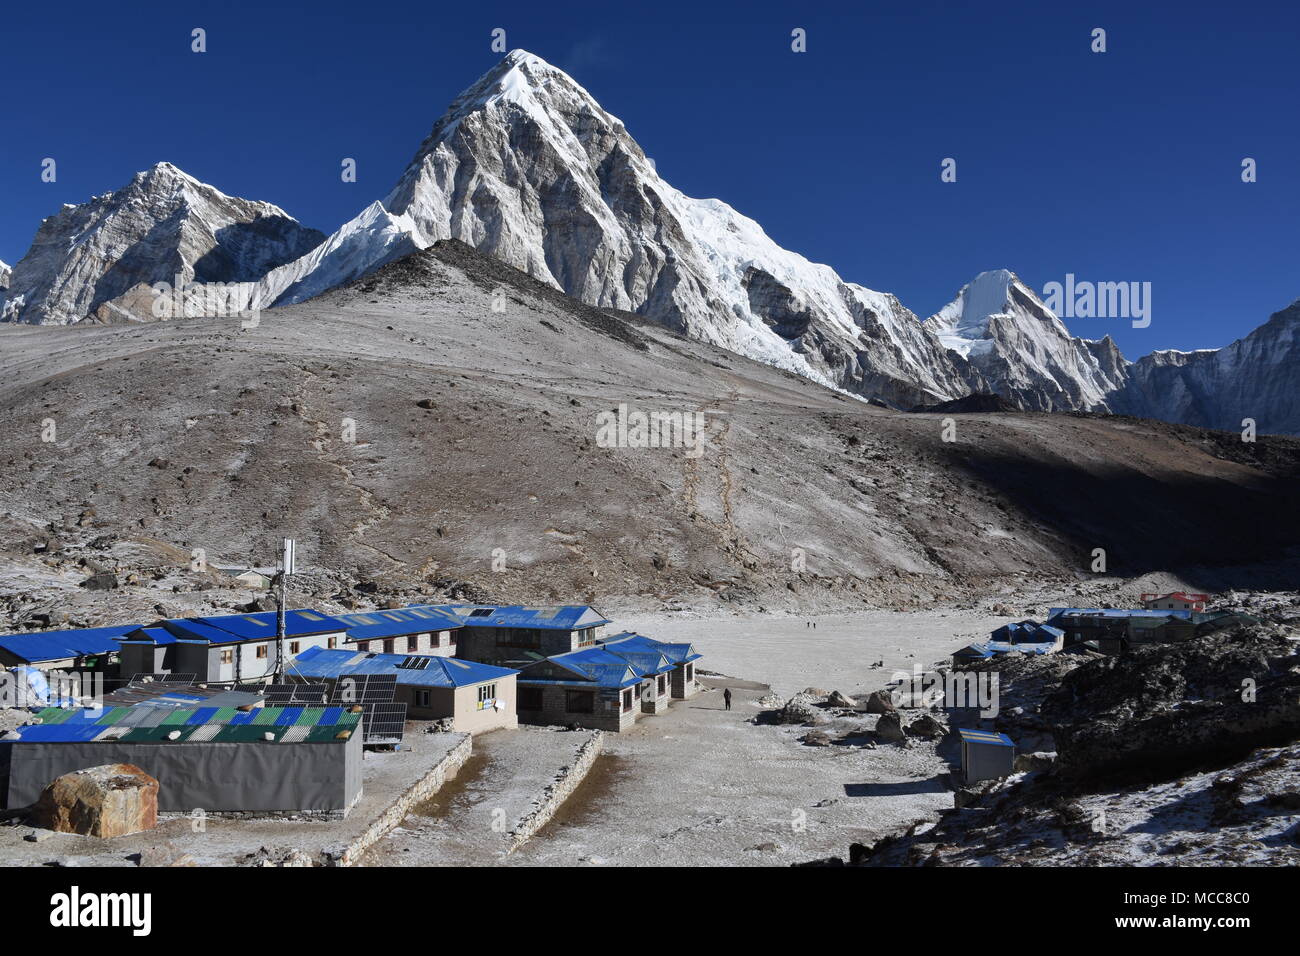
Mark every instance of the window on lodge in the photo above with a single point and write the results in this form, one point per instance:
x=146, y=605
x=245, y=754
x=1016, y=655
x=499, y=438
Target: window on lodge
x=519, y=637
x=580, y=701
x=530, y=698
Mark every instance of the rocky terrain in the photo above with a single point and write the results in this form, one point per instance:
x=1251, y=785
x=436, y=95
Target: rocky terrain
x=1181, y=754
x=439, y=420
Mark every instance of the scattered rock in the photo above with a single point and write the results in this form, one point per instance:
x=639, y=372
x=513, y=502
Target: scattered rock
x=880, y=702
x=927, y=726
x=836, y=699
x=889, y=728
x=1038, y=762
x=103, y=581
x=799, y=710
x=816, y=738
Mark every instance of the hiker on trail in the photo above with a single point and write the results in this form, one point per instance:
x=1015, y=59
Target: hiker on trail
x=726, y=697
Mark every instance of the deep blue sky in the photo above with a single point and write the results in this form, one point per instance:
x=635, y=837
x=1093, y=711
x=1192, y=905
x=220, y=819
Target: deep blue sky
x=1116, y=166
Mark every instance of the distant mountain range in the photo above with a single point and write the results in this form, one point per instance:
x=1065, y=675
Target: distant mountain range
x=527, y=167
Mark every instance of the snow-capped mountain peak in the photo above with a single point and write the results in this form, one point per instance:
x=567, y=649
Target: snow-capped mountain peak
x=4, y=276
x=526, y=166
x=96, y=259
x=1023, y=350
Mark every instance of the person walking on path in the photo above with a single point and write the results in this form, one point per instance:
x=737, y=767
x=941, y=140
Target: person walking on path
x=726, y=697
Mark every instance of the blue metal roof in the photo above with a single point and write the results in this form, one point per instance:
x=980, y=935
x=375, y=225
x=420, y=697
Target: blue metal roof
x=262, y=624
x=257, y=626
x=1027, y=632
x=57, y=645
x=567, y=618
x=985, y=649
x=322, y=662
x=676, y=653
x=1118, y=612
x=985, y=737
x=369, y=625
x=590, y=665
x=187, y=630
x=149, y=635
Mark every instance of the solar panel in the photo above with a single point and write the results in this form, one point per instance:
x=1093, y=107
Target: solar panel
x=284, y=695
x=364, y=689
x=414, y=663
x=165, y=678
x=250, y=688
x=383, y=723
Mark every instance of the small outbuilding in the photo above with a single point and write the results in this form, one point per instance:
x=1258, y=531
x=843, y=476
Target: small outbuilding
x=986, y=755
x=220, y=758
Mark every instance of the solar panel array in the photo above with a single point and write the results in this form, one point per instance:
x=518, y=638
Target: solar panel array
x=186, y=679
x=383, y=723
x=364, y=689
x=287, y=695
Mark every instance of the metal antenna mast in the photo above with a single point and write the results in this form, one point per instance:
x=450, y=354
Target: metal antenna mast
x=287, y=567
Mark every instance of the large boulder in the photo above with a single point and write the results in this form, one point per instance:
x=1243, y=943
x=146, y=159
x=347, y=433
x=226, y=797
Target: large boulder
x=107, y=801
x=880, y=702
x=1037, y=762
x=836, y=699
x=928, y=726
x=800, y=709
x=889, y=728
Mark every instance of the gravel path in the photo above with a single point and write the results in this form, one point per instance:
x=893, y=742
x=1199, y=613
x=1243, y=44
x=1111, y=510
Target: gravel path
x=467, y=822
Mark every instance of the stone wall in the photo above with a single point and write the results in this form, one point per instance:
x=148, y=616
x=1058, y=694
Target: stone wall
x=424, y=788
x=553, y=797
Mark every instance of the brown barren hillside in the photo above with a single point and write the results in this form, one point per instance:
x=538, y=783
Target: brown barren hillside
x=404, y=430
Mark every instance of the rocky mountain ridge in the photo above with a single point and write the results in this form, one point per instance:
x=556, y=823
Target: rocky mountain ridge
x=527, y=167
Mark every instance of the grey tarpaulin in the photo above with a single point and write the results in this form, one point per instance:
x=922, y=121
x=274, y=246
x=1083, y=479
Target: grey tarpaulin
x=219, y=777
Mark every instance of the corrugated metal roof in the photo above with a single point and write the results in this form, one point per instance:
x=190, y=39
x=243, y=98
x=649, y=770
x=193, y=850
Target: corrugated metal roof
x=676, y=653
x=591, y=665
x=1115, y=612
x=57, y=645
x=370, y=625
x=986, y=737
x=1027, y=632
x=261, y=625
x=565, y=618
x=149, y=635
x=438, y=672
x=79, y=725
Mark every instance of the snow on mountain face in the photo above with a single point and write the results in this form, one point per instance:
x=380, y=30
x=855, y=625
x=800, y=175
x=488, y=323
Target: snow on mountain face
x=527, y=167
x=97, y=259
x=4, y=276
x=1256, y=377
x=1024, y=352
